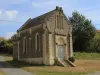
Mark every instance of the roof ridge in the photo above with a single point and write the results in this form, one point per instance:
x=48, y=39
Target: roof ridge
x=43, y=14
x=37, y=20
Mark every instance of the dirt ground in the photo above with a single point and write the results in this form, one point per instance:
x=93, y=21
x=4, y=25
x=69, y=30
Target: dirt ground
x=81, y=66
x=84, y=65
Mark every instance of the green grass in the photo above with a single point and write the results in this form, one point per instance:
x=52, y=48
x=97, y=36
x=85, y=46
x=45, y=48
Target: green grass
x=84, y=55
x=77, y=55
x=57, y=73
x=26, y=66
x=54, y=73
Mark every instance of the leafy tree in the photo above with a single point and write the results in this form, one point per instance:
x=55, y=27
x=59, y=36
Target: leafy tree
x=94, y=45
x=83, y=31
x=14, y=36
x=6, y=46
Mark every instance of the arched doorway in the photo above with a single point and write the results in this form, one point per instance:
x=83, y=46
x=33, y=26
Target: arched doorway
x=60, y=53
x=60, y=49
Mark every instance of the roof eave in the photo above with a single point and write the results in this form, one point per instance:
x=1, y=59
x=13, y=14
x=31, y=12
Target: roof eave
x=24, y=24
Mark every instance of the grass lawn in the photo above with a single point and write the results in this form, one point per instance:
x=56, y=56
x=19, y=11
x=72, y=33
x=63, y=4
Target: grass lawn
x=54, y=73
x=84, y=55
x=44, y=70
x=85, y=63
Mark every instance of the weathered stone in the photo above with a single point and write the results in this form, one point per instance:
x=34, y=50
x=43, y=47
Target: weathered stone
x=54, y=35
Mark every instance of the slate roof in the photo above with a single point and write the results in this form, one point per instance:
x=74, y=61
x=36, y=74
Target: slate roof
x=35, y=21
x=39, y=20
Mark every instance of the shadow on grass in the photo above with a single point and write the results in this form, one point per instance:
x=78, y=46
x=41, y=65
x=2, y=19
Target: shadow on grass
x=19, y=64
x=10, y=63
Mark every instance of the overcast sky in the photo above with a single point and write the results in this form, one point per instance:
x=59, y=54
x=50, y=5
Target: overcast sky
x=21, y=10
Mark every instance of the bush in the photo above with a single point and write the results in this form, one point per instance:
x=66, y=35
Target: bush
x=72, y=59
x=87, y=55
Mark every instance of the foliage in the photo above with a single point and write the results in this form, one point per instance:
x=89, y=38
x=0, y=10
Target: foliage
x=14, y=36
x=72, y=59
x=86, y=55
x=83, y=31
x=6, y=46
x=94, y=45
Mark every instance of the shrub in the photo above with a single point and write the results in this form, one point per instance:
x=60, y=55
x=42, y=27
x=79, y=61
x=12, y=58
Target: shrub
x=72, y=59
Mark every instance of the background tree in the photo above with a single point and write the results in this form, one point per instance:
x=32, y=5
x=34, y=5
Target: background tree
x=83, y=31
x=6, y=46
x=14, y=36
x=94, y=45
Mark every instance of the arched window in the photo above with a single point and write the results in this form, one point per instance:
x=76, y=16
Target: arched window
x=57, y=21
x=61, y=22
x=37, y=41
x=30, y=43
x=24, y=45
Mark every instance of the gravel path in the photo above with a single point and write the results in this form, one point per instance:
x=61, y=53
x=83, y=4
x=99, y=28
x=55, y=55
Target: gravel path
x=9, y=70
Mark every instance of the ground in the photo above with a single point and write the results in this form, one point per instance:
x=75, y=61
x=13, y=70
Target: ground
x=84, y=66
x=41, y=70
x=8, y=69
x=2, y=73
x=85, y=63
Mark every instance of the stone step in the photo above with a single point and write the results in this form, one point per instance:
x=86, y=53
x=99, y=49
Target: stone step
x=64, y=63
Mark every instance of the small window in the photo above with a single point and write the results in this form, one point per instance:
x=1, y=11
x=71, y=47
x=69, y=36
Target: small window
x=37, y=41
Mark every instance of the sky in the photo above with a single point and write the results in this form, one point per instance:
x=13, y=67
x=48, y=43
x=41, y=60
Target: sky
x=13, y=13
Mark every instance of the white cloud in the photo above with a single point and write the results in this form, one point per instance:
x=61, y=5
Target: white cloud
x=0, y=12
x=6, y=2
x=45, y=4
x=11, y=14
x=9, y=34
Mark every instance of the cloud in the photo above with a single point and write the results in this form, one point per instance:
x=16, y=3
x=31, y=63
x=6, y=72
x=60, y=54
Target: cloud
x=11, y=14
x=10, y=10
x=0, y=12
x=46, y=3
x=9, y=34
x=7, y=2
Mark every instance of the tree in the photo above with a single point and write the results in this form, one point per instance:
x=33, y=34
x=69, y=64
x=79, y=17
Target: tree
x=83, y=31
x=6, y=46
x=14, y=36
x=94, y=45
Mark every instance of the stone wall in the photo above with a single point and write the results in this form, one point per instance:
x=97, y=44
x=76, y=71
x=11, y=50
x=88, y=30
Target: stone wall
x=15, y=50
x=33, y=60
x=51, y=49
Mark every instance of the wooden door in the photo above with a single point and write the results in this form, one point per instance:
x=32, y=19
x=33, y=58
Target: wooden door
x=60, y=52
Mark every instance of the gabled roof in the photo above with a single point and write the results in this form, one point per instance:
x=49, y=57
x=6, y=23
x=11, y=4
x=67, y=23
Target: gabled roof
x=35, y=21
x=39, y=20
